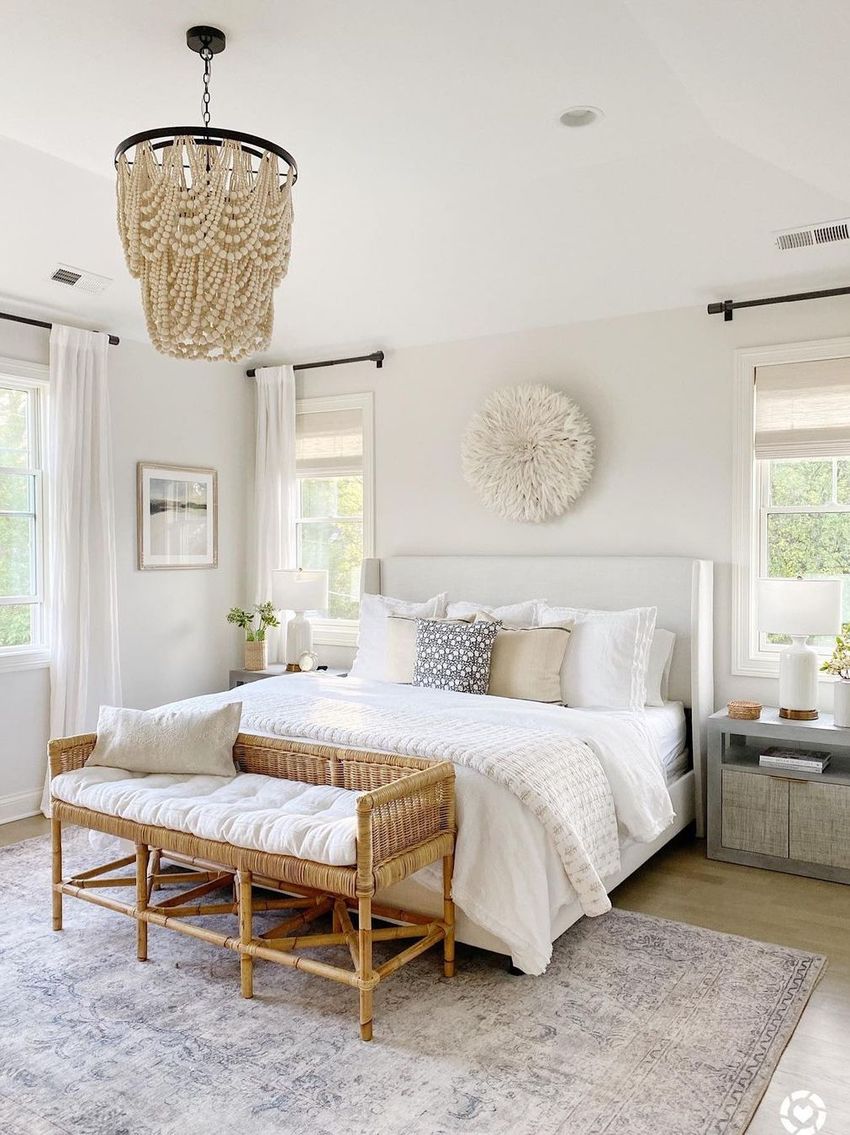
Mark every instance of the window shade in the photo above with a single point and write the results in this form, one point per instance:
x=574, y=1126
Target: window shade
x=803, y=410
x=329, y=443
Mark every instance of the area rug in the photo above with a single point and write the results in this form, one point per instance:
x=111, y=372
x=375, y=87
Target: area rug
x=639, y=1026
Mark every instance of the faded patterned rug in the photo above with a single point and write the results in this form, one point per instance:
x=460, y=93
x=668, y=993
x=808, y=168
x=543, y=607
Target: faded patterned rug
x=639, y=1026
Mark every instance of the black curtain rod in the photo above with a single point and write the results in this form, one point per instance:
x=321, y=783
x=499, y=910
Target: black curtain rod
x=113, y=339
x=377, y=357
x=728, y=306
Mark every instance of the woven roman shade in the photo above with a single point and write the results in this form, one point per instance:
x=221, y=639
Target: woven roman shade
x=803, y=410
x=329, y=443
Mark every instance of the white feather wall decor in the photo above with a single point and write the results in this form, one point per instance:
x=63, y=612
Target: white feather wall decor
x=528, y=453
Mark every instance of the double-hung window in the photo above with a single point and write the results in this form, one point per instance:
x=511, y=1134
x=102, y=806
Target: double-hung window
x=335, y=503
x=22, y=420
x=794, y=482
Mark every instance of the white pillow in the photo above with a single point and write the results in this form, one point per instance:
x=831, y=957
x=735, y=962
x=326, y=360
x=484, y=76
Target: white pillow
x=514, y=615
x=658, y=670
x=606, y=660
x=168, y=740
x=371, y=658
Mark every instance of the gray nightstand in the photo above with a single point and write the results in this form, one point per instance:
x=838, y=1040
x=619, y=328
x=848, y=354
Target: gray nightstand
x=240, y=677
x=777, y=818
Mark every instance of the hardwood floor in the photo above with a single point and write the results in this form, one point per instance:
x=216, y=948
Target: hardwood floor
x=680, y=883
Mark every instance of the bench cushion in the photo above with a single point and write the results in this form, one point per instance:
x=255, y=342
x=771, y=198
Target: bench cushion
x=264, y=813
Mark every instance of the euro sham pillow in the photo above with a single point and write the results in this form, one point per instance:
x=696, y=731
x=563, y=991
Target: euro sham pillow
x=514, y=615
x=658, y=668
x=454, y=655
x=526, y=663
x=605, y=664
x=371, y=658
x=188, y=742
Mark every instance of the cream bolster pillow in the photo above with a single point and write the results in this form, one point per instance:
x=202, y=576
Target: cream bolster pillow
x=526, y=663
x=179, y=741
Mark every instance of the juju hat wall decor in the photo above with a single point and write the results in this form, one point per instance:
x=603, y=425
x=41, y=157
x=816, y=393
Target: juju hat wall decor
x=528, y=452
x=205, y=217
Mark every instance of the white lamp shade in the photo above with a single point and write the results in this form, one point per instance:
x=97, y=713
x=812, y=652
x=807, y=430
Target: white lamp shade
x=799, y=606
x=300, y=590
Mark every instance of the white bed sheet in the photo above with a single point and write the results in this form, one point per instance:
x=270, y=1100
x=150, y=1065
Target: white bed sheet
x=509, y=878
x=670, y=730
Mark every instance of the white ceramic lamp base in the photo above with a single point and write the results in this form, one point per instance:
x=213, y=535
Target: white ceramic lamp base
x=798, y=681
x=299, y=639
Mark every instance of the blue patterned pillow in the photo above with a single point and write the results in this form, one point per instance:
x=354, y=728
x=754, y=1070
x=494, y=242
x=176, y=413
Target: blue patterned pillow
x=454, y=656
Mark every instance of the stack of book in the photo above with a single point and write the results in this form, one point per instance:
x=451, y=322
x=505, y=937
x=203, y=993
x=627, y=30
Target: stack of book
x=797, y=760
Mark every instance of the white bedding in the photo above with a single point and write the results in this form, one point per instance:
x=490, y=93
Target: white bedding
x=670, y=730
x=509, y=873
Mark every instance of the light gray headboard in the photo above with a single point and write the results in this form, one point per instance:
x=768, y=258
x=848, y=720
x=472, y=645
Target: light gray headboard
x=681, y=589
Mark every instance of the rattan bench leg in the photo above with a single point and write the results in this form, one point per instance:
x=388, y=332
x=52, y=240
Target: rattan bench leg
x=448, y=917
x=246, y=933
x=141, y=900
x=364, y=922
x=56, y=840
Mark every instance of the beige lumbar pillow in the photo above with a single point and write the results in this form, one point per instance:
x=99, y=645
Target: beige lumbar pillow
x=526, y=663
x=180, y=741
x=400, y=656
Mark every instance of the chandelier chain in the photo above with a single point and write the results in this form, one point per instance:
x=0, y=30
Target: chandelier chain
x=206, y=55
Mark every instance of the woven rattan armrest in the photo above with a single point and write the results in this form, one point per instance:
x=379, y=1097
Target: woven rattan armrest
x=70, y=753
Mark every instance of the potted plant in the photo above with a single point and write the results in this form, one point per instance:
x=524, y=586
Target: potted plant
x=256, y=647
x=839, y=666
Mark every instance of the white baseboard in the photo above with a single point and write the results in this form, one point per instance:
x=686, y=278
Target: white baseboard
x=20, y=805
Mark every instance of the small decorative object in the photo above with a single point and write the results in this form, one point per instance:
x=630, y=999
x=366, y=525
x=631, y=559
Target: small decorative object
x=308, y=661
x=528, y=453
x=177, y=516
x=839, y=666
x=744, y=710
x=205, y=218
x=256, y=647
x=299, y=591
x=799, y=608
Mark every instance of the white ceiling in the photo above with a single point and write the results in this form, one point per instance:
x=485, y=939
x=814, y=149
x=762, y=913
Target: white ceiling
x=438, y=196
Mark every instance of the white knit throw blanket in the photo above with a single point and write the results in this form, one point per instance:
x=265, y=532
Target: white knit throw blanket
x=558, y=778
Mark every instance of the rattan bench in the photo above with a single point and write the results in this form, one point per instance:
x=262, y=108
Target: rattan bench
x=405, y=820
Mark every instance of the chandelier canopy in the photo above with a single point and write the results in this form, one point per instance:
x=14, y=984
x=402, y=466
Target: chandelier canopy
x=205, y=217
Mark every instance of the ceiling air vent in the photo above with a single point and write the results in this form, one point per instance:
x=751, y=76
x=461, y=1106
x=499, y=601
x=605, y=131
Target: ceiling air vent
x=80, y=279
x=809, y=235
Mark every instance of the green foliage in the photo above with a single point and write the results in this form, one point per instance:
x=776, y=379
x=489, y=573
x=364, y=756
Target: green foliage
x=17, y=519
x=245, y=619
x=330, y=538
x=839, y=663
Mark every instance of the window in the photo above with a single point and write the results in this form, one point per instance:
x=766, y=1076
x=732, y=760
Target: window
x=22, y=406
x=334, y=524
x=793, y=480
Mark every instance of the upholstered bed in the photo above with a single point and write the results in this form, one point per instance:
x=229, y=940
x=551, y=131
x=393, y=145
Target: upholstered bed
x=556, y=806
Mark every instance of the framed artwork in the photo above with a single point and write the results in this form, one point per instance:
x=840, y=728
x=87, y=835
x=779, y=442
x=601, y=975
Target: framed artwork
x=177, y=516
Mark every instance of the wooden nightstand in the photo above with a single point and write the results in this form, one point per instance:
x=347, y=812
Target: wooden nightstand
x=780, y=819
x=240, y=677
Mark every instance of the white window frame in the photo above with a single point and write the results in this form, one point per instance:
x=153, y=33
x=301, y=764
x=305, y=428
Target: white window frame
x=749, y=514
x=343, y=632
x=32, y=377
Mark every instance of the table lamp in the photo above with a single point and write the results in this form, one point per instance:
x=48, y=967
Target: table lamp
x=299, y=591
x=799, y=608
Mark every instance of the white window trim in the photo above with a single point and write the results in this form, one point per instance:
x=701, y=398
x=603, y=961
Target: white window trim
x=343, y=632
x=747, y=659
x=31, y=375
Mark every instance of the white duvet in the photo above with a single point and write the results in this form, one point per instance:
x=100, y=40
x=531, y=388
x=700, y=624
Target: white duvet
x=519, y=765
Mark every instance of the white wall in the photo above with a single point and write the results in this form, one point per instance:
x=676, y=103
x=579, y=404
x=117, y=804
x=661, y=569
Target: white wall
x=174, y=639
x=658, y=389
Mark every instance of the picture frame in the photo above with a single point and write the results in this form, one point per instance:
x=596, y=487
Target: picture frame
x=176, y=517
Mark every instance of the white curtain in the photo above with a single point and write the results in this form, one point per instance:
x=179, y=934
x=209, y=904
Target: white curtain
x=82, y=600
x=274, y=485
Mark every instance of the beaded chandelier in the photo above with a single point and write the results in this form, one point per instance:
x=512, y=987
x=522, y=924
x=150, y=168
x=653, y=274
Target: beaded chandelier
x=205, y=218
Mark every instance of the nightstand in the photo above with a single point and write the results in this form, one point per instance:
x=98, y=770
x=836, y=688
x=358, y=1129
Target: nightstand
x=240, y=677
x=780, y=819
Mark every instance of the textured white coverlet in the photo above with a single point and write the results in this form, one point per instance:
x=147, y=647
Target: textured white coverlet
x=530, y=778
